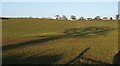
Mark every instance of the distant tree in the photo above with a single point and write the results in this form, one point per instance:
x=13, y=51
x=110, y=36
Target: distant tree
x=73, y=17
x=117, y=16
x=57, y=16
x=105, y=18
x=3, y=18
x=64, y=17
x=111, y=18
x=89, y=19
x=29, y=17
x=97, y=18
x=81, y=18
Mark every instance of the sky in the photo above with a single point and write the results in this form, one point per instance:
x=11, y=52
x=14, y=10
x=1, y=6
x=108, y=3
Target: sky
x=60, y=0
x=50, y=9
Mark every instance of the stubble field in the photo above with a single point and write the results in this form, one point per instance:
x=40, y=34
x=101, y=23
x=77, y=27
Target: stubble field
x=44, y=41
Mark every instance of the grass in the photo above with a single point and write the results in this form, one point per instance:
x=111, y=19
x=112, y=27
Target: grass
x=37, y=41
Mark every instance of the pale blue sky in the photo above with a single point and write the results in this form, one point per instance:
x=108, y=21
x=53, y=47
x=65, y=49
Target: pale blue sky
x=60, y=0
x=50, y=9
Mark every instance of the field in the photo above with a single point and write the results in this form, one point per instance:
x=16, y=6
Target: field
x=44, y=41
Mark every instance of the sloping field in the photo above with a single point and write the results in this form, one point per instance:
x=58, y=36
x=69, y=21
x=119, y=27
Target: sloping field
x=41, y=41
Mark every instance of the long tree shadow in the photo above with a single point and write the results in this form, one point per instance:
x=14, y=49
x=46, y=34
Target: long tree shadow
x=50, y=59
x=87, y=31
x=77, y=60
x=22, y=44
x=74, y=32
x=94, y=61
x=79, y=56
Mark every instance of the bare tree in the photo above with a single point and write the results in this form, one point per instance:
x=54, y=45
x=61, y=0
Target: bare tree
x=73, y=17
x=64, y=17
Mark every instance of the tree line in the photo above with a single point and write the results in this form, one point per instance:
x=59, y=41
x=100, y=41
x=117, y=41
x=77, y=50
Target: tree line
x=72, y=17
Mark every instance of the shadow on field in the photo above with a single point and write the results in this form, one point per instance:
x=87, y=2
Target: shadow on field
x=92, y=61
x=74, y=33
x=88, y=31
x=31, y=60
x=77, y=59
x=22, y=44
x=116, y=59
x=80, y=57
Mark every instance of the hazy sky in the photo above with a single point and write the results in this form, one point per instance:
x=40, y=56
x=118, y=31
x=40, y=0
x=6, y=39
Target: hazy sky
x=50, y=9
